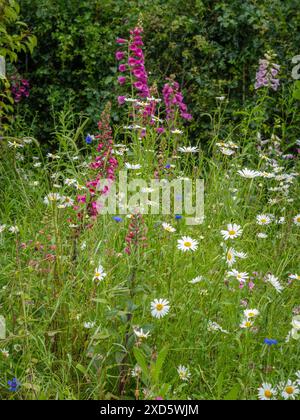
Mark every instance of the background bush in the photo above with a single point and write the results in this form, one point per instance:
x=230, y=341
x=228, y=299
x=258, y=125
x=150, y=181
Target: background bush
x=212, y=47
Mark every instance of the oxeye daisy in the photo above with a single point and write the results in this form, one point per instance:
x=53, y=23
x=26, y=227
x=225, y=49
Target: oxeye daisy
x=99, y=274
x=233, y=231
x=240, y=276
x=263, y=220
x=184, y=373
x=197, y=280
x=266, y=392
x=294, y=277
x=297, y=220
x=249, y=173
x=168, y=228
x=274, y=282
x=230, y=257
x=160, y=308
x=246, y=324
x=189, y=149
x=290, y=390
x=187, y=244
x=251, y=313
x=140, y=334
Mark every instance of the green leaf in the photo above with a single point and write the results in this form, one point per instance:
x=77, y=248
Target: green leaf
x=233, y=393
x=157, y=367
x=141, y=361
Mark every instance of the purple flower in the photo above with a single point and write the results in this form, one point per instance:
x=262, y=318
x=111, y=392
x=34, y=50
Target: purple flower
x=14, y=385
x=118, y=219
x=121, y=100
x=121, y=41
x=122, y=68
x=270, y=342
x=89, y=139
x=174, y=101
x=122, y=80
x=267, y=73
x=120, y=55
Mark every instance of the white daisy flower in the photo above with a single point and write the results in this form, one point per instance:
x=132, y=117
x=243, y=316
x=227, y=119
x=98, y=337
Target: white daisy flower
x=246, y=324
x=168, y=228
x=68, y=201
x=296, y=323
x=266, y=392
x=251, y=313
x=89, y=325
x=189, y=149
x=133, y=167
x=290, y=390
x=187, y=244
x=183, y=372
x=296, y=220
x=176, y=131
x=160, y=308
x=241, y=277
x=230, y=257
x=294, y=277
x=274, y=282
x=249, y=173
x=262, y=235
x=52, y=198
x=233, y=231
x=140, y=334
x=226, y=151
x=263, y=220
x=197, y=280
x=213, y=326
x=14, y=229
x=99, y=274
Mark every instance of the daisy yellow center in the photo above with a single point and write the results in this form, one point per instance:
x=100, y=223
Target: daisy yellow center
x=251, y=315
x=232, y=232
x=229, y=256
x=268, y=394
x=289, y=390
x=248, y=324
x=264, y=220
x=159, y=307
x=298, y=219
x=97, y=274
x=187, y=244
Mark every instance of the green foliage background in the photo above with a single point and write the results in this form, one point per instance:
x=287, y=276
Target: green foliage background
x=212, y=47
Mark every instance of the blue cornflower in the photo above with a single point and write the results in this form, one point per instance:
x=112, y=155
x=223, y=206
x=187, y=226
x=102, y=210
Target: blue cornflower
x=118, y=219
x=168, y=166
x=14, y=385
x=178, y=217
x=89, y=139
x=270, y=342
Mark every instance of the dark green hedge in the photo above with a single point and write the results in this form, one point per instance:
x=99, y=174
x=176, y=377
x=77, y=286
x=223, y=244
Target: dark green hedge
x=212, y=47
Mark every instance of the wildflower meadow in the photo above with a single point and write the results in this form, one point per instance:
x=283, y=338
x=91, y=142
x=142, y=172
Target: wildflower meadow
x=141, y=259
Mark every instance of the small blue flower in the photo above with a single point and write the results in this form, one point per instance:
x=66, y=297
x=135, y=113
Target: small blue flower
x=270, y=342
x=118, y=219
x=178, y=217
x=14, y=385
x=168, y=166
x=89, y=139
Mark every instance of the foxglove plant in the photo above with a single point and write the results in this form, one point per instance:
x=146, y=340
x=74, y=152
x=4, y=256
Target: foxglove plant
x=132, y=64
x=104, y=165
x=136, y=236
x=174, y=101
x=267, y=75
